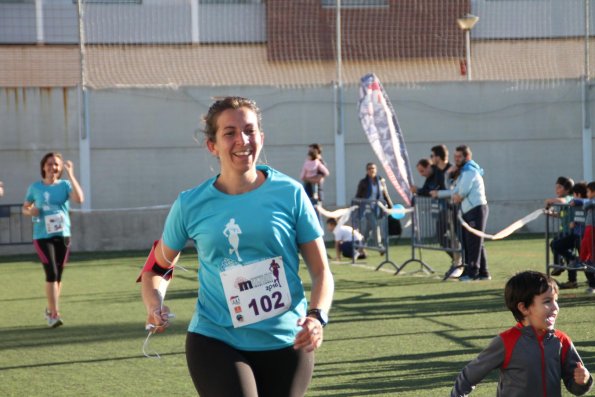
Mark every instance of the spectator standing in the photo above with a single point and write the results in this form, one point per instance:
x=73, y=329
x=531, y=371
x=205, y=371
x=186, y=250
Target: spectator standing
x=564, y=241
x=372, y=187
x=566, y=246
x=469, y=192
x=587, y=242
x=434, y=178
x=446, y=216
x=439, y=158
x=313, y=173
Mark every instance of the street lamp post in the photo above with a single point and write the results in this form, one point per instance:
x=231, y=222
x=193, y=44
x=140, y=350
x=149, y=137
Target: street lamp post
x=466, y=23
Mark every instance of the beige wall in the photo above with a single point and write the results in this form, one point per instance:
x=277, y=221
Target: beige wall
x=209, y=65
x=143, y=150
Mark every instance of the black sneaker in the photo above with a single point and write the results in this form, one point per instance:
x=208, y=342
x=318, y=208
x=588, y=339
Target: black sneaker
x=568, y=285
x=557, y=271
x=455, y=271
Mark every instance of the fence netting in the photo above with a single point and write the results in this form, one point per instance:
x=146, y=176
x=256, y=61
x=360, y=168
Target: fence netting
x=173, y=43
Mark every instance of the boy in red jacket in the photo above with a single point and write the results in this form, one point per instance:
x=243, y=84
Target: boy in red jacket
x=532, y=356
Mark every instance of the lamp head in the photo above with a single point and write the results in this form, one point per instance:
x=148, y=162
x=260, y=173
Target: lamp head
x=467, y=22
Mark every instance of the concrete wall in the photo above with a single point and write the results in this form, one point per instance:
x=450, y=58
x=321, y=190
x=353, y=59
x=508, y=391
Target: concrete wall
x=525, y=19
x=149, y=21
x=143, y=150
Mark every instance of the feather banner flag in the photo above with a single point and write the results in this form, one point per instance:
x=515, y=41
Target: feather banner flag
x=381, y=126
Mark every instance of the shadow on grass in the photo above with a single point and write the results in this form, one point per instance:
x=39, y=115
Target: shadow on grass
x=367, y=307
x=364, y=306
x=109, y=297
x=586, y=349
x=40, y=337
x=393, y=374
x=90, y=361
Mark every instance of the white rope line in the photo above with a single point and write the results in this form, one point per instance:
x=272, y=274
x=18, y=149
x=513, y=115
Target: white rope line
x=391, y=211
x=342, y=214
x=506, y=231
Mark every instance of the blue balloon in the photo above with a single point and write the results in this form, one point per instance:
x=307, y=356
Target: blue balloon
x=398, y=211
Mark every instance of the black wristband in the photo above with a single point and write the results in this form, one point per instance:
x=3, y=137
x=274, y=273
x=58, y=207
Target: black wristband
x=166, y=273
x=320, y=315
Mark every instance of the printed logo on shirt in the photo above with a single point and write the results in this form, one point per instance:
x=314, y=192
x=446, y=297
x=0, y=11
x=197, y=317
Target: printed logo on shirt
x=232, y=231
x=46, y=201
x=269, y=279
x=242, y=284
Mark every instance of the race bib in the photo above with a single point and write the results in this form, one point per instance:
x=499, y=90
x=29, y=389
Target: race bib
x=54, y=223
x=256, y=292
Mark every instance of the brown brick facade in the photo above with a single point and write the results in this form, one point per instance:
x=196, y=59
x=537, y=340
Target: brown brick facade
x=302, y=30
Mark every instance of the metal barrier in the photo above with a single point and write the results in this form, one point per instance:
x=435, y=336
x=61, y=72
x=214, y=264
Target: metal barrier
x=434, y=226
x=15, y=228
x=372, y=222
x=561, y=221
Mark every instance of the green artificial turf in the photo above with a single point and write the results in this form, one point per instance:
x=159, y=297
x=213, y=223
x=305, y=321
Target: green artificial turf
x=403, y=335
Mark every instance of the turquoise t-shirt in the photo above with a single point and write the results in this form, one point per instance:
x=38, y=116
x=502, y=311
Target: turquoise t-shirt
x=236, y=232
x=53, y=204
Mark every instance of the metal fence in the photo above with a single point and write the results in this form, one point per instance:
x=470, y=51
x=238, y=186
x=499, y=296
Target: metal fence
x=15, y=228
x=564, y=231
x=376, y=228
x=435, y=227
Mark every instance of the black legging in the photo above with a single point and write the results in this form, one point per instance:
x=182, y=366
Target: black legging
x=219, y=370
x=53, y=253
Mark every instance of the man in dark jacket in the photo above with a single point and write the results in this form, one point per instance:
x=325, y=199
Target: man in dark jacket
x=373, y=188
x=434, y=178
x=446, y=226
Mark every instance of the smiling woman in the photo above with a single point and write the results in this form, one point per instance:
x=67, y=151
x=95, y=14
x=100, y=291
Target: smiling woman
x=237, y=145
x=251, y=333
x=48, y=203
